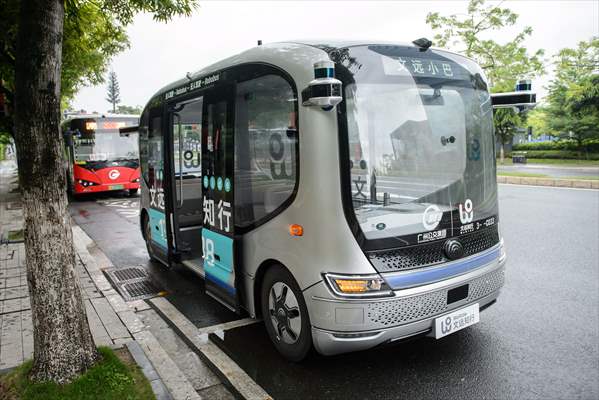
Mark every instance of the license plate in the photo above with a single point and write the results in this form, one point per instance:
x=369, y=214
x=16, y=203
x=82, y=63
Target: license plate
x=458, y=319
x=116, y=187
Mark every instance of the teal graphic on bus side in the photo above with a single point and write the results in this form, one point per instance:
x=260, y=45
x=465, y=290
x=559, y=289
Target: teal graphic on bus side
x=218, y=259
x=158, y=227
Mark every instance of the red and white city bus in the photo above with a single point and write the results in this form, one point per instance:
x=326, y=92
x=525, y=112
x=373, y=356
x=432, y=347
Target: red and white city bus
x=101, y=155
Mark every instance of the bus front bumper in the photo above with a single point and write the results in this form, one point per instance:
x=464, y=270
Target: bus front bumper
x=340, y=326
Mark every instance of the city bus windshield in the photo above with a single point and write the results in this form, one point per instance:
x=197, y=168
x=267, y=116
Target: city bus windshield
x=100, y=140
x=420, y=142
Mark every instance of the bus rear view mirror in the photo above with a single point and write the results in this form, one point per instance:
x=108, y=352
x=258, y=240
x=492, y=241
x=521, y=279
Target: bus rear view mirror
x=523, y=98
x=520, y=100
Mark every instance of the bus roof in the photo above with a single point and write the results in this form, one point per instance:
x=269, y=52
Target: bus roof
x=280, y=51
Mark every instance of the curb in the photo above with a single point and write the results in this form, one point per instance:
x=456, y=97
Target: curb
x=571, y=183
x=235, y=377
x=167, y=380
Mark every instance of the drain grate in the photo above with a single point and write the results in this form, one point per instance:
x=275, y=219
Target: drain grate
x=128, y=274
x=133, y=283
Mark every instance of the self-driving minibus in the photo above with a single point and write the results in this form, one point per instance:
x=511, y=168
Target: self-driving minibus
x=99, y=155
x=345, y=193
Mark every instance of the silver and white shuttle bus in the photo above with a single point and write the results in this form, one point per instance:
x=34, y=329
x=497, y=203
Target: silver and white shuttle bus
x=345, y=193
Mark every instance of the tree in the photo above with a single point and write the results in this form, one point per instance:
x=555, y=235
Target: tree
x=123, y=109
x=573, y=110
x=114, y=93
x=63, y=346
x=503, y=64
x=507, y=121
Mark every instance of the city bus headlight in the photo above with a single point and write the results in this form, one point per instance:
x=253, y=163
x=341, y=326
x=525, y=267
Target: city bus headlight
x=358, y=285
x=85, y=183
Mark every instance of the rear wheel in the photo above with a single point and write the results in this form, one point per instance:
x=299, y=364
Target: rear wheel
x=285, y=314
x=147, y=229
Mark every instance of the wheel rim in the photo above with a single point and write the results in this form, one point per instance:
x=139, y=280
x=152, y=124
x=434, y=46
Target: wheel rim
x=284, y=313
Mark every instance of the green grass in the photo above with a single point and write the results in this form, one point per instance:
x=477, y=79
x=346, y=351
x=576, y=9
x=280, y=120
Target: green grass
x=521, y=174
x=115, y=377
x=2, y=150
x=16, y=235
x=555, y=161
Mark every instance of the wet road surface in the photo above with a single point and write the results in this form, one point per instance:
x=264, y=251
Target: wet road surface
x=539, y=341
x=112, y=221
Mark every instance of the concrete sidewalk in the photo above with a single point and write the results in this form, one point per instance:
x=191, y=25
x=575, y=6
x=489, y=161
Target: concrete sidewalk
x=113, y=322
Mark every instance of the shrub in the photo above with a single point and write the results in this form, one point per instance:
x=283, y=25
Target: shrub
x=590, y=146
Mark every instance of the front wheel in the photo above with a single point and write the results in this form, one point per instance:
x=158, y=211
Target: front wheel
x=132, y=192
x=285, y=314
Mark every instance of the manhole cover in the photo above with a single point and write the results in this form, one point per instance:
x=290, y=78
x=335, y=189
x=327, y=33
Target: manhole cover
x=133, y=283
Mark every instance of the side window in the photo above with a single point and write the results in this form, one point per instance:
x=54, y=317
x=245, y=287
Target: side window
x=155, y=161
x=266, y=147
x=143, y=144
x=187, y=126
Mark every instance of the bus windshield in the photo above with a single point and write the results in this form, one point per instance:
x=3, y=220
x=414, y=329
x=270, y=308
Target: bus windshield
x=421, y=143
x=100, y=140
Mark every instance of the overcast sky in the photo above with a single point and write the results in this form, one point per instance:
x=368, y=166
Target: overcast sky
x=161, y=53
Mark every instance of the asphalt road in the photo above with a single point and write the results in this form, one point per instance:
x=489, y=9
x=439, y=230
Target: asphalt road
x=539, y=341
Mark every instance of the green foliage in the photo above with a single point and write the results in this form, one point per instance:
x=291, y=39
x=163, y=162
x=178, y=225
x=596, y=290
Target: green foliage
x=573, y=110
x=537, y=120
x=94, y=32
x=506, y=122
x=110, y=379
x=591, y=146
x=503, y=63
x=113, y=95
x=124, y=109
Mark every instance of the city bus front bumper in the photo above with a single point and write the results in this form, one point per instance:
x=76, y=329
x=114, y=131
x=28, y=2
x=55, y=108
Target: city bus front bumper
x=342, y=325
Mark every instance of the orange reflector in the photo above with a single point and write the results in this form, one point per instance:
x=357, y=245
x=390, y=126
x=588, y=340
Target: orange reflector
x=296, y=230
x=352, y=286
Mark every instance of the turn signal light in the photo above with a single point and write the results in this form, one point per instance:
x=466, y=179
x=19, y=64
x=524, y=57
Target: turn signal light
x=352, y=286
x=296, y=230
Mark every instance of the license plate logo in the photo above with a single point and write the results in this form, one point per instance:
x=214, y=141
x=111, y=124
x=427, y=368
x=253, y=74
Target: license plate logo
x=456, y=320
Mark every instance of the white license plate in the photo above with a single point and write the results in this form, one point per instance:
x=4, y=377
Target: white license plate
x=456, y=320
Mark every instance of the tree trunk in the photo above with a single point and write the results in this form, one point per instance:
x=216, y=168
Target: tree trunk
x=63, y=345
x=502, y=153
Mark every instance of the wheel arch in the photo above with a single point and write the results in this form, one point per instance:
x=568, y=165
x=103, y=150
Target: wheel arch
x=259, y=278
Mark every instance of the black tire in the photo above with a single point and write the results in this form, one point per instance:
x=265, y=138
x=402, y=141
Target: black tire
x=147, y=234
x=132, y=192
x=278, y=277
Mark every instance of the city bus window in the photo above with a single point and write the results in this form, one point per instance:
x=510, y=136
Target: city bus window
x=187, y=136
x=265, y=147
x=155, y=157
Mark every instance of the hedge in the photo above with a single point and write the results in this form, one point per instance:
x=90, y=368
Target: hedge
x=590, y=146
x=559, y=154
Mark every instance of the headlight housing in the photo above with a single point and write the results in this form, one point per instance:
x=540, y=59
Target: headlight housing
x=358, y=285
x=85, y=183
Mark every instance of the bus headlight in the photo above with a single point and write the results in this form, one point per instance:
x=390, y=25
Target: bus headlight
x=358, y=285
x=85, y=183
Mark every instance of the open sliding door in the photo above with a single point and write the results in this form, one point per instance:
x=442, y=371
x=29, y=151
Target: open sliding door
x=220, y=247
